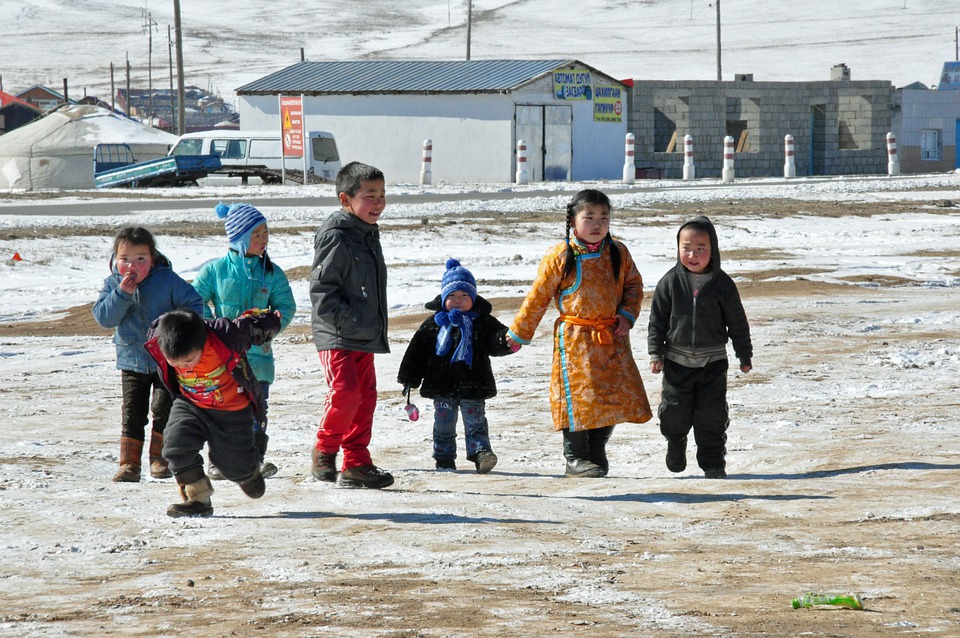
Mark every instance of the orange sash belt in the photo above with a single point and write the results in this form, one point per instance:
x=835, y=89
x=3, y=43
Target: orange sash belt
x=602, y=333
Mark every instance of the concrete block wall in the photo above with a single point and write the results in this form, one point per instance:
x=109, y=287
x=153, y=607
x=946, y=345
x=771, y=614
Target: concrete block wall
x=772, y=110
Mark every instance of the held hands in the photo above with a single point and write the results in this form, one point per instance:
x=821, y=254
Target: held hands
x=621, y=326
x=512, y=343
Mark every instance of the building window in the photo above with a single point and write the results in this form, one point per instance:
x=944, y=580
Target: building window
x=931, y=144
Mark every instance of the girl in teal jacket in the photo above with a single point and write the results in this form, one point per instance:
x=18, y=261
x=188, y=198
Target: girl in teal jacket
x=245, y=279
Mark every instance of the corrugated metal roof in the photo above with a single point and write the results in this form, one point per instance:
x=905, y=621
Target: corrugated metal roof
x=404, y=76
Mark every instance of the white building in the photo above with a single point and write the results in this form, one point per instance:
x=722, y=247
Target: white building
x=572, y=117
x=926, y=123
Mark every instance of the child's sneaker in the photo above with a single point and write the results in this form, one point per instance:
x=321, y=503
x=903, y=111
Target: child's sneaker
x=368, y=476
x=446, y=465
x=485, y=461
x=677, y=454
x=324, y=466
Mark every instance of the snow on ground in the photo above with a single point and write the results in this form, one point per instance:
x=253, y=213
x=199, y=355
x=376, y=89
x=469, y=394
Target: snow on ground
x=842, y=452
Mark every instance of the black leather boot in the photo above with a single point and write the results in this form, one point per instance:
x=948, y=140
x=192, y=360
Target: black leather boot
x=576, y=449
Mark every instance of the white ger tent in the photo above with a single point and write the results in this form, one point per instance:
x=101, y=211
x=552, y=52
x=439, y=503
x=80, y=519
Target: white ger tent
x=56, y=151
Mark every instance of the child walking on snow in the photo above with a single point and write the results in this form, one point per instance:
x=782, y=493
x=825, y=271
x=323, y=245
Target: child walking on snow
x=696, y=309
x=450, y=354
x=245, y=279
x=141, y=287
x=215, y=399
x=595, y=383
x=348, y=295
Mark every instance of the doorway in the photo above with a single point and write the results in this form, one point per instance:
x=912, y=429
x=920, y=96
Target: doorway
x=548, y=132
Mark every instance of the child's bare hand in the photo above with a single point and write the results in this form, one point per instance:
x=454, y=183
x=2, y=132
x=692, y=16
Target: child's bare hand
x=128, y=283
x=744, y=368
x=656, y=367
x=621, y=326
x=512, y=343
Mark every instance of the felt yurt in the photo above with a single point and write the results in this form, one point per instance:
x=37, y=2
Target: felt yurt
x=56, y=151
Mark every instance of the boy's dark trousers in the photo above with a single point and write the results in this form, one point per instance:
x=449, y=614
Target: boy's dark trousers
x=227, y=434
x=142, y=393
x=697, y=398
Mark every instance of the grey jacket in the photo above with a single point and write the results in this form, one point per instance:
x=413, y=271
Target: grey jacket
x=348, y=286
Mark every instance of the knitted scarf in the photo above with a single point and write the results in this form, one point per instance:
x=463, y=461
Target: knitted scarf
x=447, y=321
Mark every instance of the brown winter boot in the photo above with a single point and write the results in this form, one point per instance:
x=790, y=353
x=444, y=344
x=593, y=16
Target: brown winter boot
x=195, y=490
x=130, y=452
x=158, y=464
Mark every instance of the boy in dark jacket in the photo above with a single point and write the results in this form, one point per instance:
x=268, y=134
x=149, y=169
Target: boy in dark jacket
x=348, y=298
x=215, y=399
x=696, y=308
x=450, y=354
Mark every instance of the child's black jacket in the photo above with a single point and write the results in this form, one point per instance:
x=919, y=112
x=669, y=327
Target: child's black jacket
x=440, y=377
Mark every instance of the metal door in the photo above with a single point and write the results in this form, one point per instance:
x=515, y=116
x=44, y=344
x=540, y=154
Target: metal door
x=956, y=147
x=558, y=143
x=818, y=139
x=529, y=128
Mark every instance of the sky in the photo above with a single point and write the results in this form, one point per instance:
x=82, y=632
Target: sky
x=228, y=44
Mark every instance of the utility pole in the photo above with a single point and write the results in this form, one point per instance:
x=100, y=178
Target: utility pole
x=719, y=74
x=173, y=108
x=128, y=84
x=149, y=24
x=181, y=94
x=469, y=24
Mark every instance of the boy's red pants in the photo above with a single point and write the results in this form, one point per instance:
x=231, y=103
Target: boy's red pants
x=347, y=421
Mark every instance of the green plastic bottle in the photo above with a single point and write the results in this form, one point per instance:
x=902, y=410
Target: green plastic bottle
x=850, y=601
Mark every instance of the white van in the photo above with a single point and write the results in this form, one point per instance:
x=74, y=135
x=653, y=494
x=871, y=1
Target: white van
x=258, y=153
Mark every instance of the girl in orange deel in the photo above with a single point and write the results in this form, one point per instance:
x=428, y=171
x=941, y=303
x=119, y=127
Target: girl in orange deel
x=595, y=383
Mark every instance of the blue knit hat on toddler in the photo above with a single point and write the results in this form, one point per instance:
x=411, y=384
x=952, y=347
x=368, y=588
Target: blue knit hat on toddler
x=239, y=221
x=457, y=278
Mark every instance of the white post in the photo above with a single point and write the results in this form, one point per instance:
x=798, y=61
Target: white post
x=789, y=162
x=522, y=175
x=629, y=165
x=893, y=162
x=728, y=172
x=689, y=170
x=426, y=164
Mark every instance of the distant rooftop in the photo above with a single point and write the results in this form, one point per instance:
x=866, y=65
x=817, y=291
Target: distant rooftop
x=404, y=76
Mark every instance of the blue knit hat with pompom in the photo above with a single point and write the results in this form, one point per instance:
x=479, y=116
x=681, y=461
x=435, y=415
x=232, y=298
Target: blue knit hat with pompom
x=457, y=278
x=239, y=221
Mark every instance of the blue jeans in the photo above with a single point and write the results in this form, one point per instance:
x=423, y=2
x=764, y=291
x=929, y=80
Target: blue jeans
x=445, y=427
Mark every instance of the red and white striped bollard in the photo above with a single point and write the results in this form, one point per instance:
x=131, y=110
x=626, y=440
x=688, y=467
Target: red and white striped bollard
x=426, y=164
x=893, y=162
x=629, y=163
x=523, y=176
x=728, y=172
x=689, y=169
x=789, y=161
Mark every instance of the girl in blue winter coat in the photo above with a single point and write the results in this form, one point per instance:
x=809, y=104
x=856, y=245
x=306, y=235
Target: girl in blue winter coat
x=245, y=279
x=141, y=287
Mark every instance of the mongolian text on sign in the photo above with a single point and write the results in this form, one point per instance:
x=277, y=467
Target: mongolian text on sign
x=608, y=104
x=572, y=85
x=291, y=117
x=950, y=78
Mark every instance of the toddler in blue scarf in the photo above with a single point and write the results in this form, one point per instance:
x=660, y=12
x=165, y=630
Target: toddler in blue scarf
x=450, y=355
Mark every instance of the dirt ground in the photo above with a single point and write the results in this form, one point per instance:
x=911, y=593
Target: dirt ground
x=830, y=494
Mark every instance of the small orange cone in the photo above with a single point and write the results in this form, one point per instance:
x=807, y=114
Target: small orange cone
x=16, y=257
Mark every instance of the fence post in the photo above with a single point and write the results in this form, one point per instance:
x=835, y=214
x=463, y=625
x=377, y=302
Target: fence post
x=893, y=162
x=522, y=175
x=629, y=165
x=689, y=170
x=728, y=171
x=426, y=164
x=789, y=161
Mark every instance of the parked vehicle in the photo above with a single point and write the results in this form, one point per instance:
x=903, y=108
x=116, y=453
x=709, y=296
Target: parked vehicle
x=115, y=165
x=245, y=153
